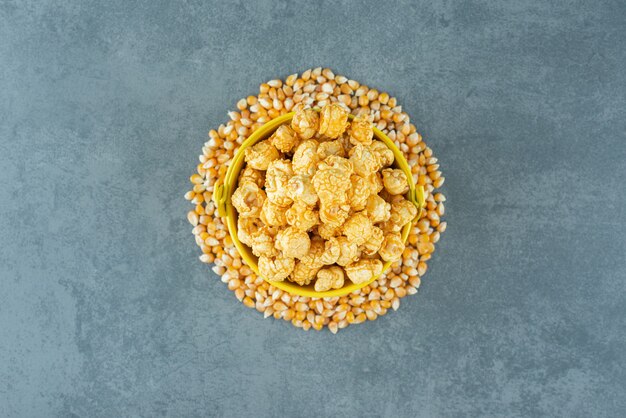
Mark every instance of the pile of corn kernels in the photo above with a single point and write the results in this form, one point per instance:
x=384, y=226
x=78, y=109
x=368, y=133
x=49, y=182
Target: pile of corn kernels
x=316, y=88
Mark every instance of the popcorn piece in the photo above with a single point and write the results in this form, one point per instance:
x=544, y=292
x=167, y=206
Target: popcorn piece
x=305, y=158
x=395, y=181
x=293, y=242
x=305, y=122
x=333, y=120
x=252, y=175
x=373, y=243
x=333, y=214
x=402, y=212
x=300, y=189
x=303, y=273
x=260, y=155
x=332, y=251
x=378, y=209
x=359, y=192
x=357, y=228
x=383, y=153
x=364, y=271
x=327, y=231
x=325, y=149
x=276, y=178
x=247, y=228
x=276, y=268
x=273, y=214
x=363, y=160
x=332, y=180
x=376, y=182
x=302, y=216
x=349, y=251
x=248, y=200
x=345, y=141
x=338, y=163
x=284, y=138
x=316, y=254
x=263, y=243
x=329, y=278
x=361, y=131
x=392, y=247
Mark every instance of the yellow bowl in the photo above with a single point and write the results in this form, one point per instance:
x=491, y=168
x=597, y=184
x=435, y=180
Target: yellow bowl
x=223, y=191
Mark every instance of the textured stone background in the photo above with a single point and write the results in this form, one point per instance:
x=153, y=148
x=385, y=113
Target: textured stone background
x=106, y=311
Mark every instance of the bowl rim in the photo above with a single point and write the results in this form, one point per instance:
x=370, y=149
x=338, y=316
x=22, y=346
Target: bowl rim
x=223, y=191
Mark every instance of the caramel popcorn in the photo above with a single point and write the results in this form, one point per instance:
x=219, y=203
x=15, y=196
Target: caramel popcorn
x=373, y=243
x=383, y=153
x=329, y=278
x=276, y=178
x=248, y=200
x=378, y=209
x=332, y=251
x=349, y=251
x=327, y=231
x=333, y=120
x=357, y=228
x=328, y=148
x=316, y=253
x=252, y=175
x=308, y=215
x=273, y=214
x=303, y=273
x=402, y=212
x=260, y=155
x=293, y=243
x=363, y=160
x=302, y=216
x=345, y=142
x=395, y=181
x=247, y=228
x=376, y=182
x=300, y=189
x=332, y=179
x=392, y=247
x=359, y=192
x=284, y=138
x=305, y=122
x=361, y=131
x=363, y=271
x=334, y=215
x=276, y=268
x=305, y=158
x=263, y=243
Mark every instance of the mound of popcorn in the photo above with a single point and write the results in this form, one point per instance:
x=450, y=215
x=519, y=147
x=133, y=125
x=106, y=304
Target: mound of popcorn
x=318, y=202
x=316, y=88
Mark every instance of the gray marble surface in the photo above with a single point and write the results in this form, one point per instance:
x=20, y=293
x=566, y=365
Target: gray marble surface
x=106, y=311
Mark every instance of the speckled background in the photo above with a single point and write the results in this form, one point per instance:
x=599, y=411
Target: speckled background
x=106, y=311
